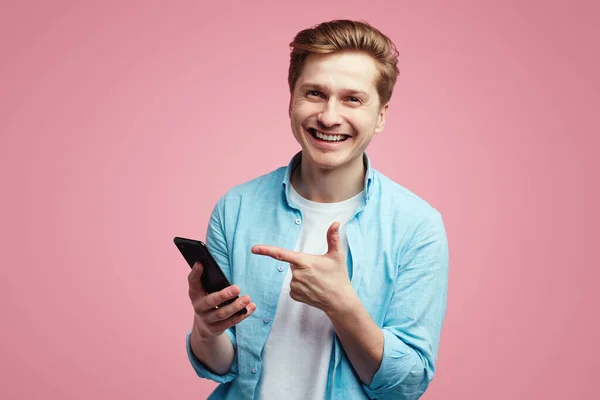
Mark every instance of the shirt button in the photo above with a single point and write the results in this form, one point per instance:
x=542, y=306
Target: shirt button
x=280, y=268
x=254, y=370
x=298, y=221
x=266, y=320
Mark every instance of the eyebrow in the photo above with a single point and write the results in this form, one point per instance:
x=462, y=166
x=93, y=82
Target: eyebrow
x=310, y=85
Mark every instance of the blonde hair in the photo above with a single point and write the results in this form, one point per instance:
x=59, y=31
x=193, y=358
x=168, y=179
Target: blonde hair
x=346, y=35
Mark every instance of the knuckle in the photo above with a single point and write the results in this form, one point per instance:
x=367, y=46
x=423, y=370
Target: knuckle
x=197, y=304
x=239, y=304
x=208, y=300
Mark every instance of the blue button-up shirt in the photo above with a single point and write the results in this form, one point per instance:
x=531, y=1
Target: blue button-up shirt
x=397, y=262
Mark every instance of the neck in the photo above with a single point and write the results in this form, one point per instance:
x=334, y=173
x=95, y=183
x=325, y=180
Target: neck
x=329, y=186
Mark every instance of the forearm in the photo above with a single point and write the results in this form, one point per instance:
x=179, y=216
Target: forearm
x=361, y=338
x=216, y=353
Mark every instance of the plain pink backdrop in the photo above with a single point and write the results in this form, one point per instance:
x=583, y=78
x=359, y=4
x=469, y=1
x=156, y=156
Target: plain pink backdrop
x=121, y=123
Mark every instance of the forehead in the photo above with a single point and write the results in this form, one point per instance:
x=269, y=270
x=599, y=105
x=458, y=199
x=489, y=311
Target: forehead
x=340, y=71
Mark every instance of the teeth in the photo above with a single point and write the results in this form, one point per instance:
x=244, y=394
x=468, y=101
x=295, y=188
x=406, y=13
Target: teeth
x=329, y=138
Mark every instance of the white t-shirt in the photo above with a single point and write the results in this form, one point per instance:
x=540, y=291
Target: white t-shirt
x=297, y=353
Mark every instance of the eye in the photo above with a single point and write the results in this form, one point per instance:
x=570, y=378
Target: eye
x=313, y=93
x=353, y=99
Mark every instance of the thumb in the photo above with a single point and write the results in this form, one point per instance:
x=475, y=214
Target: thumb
x=334, y=244
x=195, y=275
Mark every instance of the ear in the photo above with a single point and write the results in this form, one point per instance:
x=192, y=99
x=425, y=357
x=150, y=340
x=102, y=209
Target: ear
x=381, y=118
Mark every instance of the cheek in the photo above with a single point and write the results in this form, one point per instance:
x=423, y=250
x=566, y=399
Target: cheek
x=368, y=124
x=298, y=116
x=361, y=123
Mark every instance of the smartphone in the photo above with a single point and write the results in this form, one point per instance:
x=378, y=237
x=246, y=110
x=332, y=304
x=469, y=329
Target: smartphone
x=213, y=279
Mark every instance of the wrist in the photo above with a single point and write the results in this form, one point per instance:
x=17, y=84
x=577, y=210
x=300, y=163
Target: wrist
x=344, y=304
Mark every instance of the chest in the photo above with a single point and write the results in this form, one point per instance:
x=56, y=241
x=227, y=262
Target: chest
x=371, y=258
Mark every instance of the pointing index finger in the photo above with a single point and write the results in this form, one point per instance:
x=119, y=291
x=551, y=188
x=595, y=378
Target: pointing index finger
x=278, y=253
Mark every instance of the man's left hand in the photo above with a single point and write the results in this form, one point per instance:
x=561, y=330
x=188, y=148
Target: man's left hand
x=320, y=281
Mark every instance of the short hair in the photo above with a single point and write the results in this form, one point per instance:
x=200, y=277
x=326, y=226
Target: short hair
x=346, y=35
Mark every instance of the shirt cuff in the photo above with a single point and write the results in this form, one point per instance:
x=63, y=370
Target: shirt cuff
x=401, y=374
x=202, y=371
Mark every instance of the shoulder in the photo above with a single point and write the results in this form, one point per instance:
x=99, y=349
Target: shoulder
x=262, y=188
x=419, y=226
x=399, y=200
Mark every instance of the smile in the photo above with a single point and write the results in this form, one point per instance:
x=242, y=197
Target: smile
x=327, y=137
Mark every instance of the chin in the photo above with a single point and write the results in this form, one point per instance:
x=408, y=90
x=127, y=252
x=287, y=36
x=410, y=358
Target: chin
x=326, y=161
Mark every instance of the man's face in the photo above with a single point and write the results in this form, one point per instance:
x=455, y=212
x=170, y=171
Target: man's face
x=335, y=108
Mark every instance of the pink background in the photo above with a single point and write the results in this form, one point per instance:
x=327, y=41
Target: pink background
x=121, y=124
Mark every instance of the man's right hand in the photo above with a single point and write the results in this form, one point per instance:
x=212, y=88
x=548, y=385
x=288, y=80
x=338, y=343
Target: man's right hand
x=210, y=321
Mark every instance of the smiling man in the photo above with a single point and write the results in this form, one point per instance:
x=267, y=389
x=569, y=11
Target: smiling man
x=343, y=271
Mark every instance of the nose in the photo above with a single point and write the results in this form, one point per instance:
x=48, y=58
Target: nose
x=329, y=116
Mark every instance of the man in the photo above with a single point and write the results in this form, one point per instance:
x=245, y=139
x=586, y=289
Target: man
x=343, y=272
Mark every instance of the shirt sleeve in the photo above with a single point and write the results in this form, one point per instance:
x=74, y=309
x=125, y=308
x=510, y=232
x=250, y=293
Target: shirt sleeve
x=413, y=321
x=216, y=243
x=203, y=372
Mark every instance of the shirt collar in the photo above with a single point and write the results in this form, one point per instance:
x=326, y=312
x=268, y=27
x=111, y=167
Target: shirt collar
x=295, y=161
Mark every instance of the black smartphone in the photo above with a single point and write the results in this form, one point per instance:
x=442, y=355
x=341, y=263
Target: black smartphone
x=213, y=279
